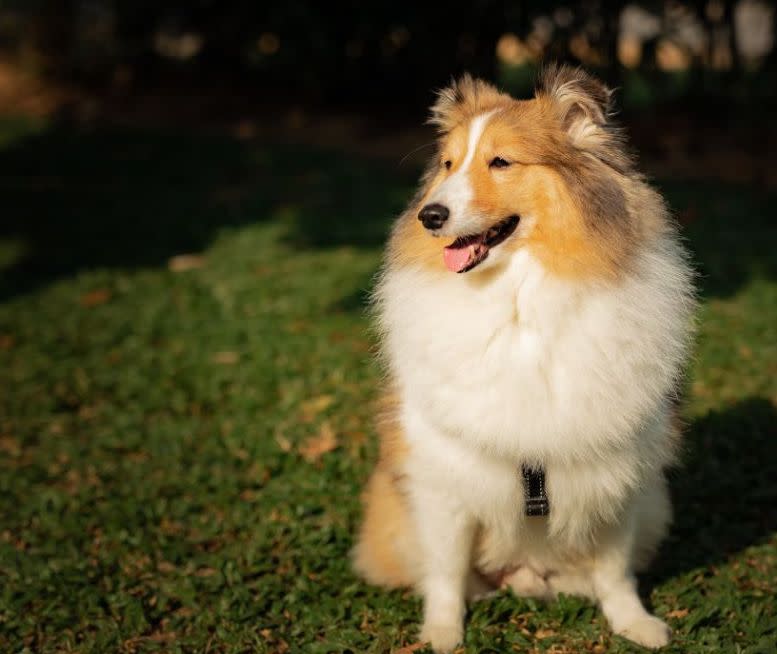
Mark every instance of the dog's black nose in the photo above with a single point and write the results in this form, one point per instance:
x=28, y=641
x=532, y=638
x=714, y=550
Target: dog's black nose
x=433, y=215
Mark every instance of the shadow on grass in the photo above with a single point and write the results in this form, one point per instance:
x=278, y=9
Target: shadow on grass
x=730, y=230
x=725, y=492
x=74, y=199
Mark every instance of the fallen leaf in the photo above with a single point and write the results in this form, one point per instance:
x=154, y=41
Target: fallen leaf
x=156, y=637
x=170, y=528
x=225, y=358
x=96, y=297
x=677, y=613
x=409, y=649
x=544, y=633
x=241, y=454
x=184, y=262
x=283, y=442
x=87, y=412
x=315, y=447
x=277, y=516
x=316, y=405
x=9, y=445
x=297, y=326
x=206, y=572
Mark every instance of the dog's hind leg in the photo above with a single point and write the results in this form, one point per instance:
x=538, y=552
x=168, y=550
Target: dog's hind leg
x=386, y=551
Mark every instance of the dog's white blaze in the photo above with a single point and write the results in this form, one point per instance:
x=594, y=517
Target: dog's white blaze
x=456, y=191
x=475, y=132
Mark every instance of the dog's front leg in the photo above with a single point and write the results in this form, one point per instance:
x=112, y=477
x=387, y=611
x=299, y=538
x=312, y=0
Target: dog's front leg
x=616, y=590
x=446, y=531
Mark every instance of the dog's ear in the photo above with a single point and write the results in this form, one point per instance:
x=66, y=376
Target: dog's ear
x=464, y=97
x=582, y=103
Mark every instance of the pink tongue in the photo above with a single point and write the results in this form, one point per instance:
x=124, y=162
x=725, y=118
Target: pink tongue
x=456, y=259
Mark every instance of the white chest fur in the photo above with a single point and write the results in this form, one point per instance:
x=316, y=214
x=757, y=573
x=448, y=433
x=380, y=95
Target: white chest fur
x=528, y=368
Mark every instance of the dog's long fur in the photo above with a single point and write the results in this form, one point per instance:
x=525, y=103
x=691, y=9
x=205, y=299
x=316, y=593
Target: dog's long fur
x=563, y=349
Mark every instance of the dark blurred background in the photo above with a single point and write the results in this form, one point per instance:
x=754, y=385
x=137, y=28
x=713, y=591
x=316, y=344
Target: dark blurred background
x=697, y=80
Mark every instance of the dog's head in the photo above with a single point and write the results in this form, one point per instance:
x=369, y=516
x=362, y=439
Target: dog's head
x=550, y=174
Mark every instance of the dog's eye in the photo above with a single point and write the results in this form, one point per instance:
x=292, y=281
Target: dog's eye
x=498, y=162
x=448, y=164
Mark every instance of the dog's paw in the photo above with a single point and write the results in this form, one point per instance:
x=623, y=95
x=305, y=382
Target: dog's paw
x=647, y=631
x=525, y=582
x=442, y=637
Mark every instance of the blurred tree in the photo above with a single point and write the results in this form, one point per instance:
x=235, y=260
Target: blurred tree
x=357, y=51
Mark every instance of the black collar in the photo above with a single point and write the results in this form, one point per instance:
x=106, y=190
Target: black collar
x=534, y=491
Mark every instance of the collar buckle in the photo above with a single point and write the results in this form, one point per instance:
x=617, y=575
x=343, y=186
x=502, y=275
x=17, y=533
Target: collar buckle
x=536, y=499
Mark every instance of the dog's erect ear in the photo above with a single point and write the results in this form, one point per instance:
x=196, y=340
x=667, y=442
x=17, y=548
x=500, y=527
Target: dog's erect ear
x=582, y=103
x=464, y=97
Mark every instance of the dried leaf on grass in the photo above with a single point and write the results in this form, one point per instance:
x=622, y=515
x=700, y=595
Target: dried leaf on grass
x=283, y=442
x=280, y=645
x=677, y=613
x=409, y=649
x=96, y=297
x=206, y=572
x=184, y=262
x=315, y=405
x=225, y=358
x=10, y=446
x=315, y=447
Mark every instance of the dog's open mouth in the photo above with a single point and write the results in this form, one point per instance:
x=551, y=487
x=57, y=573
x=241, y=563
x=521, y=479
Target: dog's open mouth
x=466, y=252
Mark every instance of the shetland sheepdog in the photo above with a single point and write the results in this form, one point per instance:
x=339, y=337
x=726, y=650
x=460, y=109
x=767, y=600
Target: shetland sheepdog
x=535, y=311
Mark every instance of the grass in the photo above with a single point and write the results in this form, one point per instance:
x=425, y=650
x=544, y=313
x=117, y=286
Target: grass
x=165, y=483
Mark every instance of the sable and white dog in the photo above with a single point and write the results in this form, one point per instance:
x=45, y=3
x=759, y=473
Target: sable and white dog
x=552, y=358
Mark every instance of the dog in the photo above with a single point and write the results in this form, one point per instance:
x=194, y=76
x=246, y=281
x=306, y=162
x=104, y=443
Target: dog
x=535, y=310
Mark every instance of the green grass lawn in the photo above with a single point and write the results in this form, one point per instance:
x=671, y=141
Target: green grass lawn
x=181, y=451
